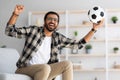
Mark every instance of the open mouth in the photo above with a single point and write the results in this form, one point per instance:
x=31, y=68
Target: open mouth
x=51, y=25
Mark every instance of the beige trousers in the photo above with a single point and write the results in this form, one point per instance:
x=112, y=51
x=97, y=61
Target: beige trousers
x=48, y=71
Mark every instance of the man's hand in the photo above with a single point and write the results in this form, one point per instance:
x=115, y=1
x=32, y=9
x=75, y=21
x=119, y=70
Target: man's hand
x=96, y=26
x=18, y=9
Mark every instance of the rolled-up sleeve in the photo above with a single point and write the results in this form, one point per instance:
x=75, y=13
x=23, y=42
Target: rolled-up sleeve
x=66, y=42
x=13, y=31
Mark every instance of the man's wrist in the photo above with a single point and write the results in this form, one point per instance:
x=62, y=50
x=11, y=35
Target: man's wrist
x=15, y=14
x=94, y=30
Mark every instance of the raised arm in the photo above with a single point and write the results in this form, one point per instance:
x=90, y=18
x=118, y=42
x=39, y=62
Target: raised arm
x=18, y=9
x=93, y=30
x=11, y=29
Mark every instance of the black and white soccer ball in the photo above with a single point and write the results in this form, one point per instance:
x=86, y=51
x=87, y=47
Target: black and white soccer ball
x=96, y=14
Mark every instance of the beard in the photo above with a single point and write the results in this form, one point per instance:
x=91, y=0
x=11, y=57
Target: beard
x=50, y=28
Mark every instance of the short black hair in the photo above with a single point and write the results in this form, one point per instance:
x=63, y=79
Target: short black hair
x=51, y=12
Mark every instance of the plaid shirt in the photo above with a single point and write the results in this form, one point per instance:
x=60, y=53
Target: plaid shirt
x=33, y=38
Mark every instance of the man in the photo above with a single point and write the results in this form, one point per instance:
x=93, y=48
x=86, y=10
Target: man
x=39, y=58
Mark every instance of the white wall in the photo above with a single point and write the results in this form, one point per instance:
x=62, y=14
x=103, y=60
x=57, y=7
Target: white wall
x=7, y=6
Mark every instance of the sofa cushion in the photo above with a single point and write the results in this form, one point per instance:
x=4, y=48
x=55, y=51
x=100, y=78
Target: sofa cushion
x=8, y=59
x=6, y=76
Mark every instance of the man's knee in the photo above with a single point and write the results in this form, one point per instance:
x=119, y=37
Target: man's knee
x=46, y=68
x=68, y=64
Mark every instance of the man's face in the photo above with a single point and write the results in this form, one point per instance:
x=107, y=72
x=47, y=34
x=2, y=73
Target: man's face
x=51, y=22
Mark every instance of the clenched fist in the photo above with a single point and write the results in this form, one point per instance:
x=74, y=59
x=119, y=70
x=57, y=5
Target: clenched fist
x=18, y=9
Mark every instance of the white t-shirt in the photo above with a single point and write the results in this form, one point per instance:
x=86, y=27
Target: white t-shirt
x=42, y=56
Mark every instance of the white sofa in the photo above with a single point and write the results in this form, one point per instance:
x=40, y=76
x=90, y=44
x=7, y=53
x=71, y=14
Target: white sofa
x=8, y=59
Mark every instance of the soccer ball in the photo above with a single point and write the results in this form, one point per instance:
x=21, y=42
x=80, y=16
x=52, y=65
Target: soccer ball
x=96, y=14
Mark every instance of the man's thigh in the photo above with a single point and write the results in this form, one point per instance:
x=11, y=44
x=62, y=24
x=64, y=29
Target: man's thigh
x=58, y=68
x=31, y=70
